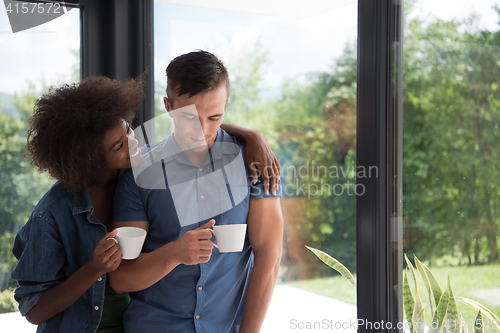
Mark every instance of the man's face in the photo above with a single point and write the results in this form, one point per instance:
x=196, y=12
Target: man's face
x=197, y=118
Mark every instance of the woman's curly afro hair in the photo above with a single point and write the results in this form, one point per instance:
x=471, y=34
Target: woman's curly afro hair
x=69, y=123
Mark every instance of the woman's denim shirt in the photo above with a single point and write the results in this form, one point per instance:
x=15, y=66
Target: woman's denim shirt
x=59, y=238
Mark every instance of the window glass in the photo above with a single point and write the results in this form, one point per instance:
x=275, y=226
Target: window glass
x=451, y=186
x=30, y=61
x=292, y=69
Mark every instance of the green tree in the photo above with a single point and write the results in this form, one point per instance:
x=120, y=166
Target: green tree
x=451, y=112
x=21, y=186
x=316, y=122
x=246, y=106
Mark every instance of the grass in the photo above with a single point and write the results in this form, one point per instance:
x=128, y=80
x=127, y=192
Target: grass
x=335, y=287
x=465, y=281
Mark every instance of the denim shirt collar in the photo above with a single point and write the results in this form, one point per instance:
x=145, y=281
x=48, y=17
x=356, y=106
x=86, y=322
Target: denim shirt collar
x=82, y=203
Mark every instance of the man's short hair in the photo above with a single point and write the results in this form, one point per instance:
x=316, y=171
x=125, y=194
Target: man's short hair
x=195, y=72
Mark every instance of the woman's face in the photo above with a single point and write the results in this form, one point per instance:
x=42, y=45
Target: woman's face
x=121, y=148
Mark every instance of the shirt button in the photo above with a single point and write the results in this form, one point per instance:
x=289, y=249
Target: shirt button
x=200, y=288
x=197, y=317
x=99, y=279
x=202, y=197
x=201, y=169
x=96, y=308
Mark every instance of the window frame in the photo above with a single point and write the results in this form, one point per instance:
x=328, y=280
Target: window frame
x=379, y=144
x=117, y=42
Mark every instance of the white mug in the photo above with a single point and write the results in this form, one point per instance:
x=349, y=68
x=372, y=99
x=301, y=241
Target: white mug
x=130, y=240
x=229, y=237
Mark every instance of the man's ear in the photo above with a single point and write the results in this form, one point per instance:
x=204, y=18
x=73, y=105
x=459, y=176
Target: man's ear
x=168, y=105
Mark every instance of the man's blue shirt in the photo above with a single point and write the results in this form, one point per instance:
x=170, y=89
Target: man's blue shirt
x=207, y=297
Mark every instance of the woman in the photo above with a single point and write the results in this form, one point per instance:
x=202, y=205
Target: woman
x=80, y=134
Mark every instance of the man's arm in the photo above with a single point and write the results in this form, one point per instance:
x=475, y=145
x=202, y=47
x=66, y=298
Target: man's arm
x=192, y=248
x=265, y=232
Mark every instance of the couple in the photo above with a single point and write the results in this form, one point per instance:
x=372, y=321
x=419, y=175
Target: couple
x=68, y=268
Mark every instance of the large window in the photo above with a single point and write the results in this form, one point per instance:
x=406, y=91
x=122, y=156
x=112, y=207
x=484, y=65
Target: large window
x=293, y=76
x=30, y=62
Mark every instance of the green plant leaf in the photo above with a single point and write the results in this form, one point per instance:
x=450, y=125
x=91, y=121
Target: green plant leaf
x=479, y=323
x=408, y=301
x=441, y=308
x=417, y=315
x=452, y=312
x=436, y=288
x=423, y=274
x=415, y=278
x=418, y=320
x=464, y=326
x=485, y=312
x=335, y=264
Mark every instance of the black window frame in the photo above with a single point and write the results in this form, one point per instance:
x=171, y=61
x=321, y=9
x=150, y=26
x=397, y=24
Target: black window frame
x=379, y=144
x=117, y=42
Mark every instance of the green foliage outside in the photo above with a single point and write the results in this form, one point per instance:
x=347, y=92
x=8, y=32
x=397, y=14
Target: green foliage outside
x=7, y=301
x=474, y=282
x=451, y=119
x=311, y=128
x=441, y=303
x=450, y=161
x=22, y=186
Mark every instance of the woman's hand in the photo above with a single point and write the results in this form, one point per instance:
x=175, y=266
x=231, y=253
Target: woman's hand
x=107, y=257
x=107, y=254
x=261, y=157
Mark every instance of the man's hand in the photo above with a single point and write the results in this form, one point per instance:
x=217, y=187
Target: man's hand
x=107, y=255
x=261, y=157
x=195, y=247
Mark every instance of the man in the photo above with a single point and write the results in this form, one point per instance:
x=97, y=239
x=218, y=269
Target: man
x=189, y=182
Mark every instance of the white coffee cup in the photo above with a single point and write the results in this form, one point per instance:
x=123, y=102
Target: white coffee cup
x=130, y=240
x=229, y=237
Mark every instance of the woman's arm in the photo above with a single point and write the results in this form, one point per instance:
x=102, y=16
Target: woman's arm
x=259, y=156
x=107, y=257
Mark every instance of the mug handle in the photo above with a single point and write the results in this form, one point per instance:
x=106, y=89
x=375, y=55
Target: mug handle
x=213, y=233
x=112, y=239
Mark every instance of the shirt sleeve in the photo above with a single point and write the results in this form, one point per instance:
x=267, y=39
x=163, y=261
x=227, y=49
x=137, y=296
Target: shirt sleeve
x=128, y=204
x=257, y=190
x=29, y=301
x=41, y=257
